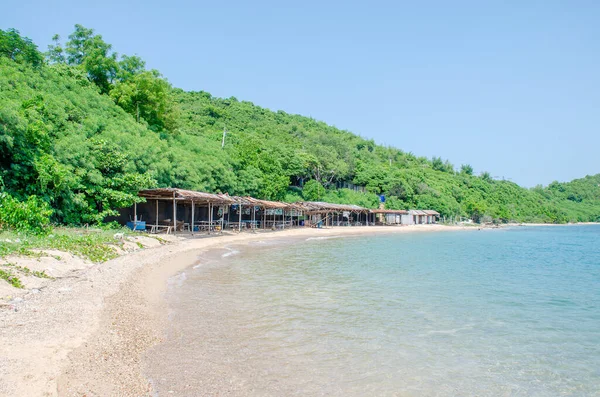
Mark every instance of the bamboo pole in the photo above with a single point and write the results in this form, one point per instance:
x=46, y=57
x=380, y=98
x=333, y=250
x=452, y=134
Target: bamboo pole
x=174, y=214
x=222, y=208
x=134, y=216
x=156, y=220
x=240, y=218
x=192, y=226
x=209, y=217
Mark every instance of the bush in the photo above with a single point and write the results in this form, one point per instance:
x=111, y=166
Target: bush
x=313, y=191
x=30, y=216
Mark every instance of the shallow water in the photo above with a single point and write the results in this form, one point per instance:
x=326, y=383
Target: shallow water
x=488, y=313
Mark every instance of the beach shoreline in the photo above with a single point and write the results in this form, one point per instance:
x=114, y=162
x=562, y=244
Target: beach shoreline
x=86, y=335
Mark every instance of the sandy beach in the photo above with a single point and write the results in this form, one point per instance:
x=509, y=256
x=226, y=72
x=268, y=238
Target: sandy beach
x=85, y=334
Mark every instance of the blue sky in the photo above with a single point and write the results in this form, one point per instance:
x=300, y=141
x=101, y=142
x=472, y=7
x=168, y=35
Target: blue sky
x=510, y=87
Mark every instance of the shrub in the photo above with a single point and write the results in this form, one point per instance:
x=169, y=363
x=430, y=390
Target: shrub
x=30, y=216
x=313, y=191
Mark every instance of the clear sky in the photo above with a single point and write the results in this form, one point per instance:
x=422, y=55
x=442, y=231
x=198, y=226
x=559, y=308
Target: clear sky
x=510, y=87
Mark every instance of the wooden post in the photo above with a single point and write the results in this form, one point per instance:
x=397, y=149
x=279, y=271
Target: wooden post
x=264, y=222
x=283, y=216
x=240, y=218
x=174, y=214
x=134, y=216
x=209, y=217
x=192, y=225
x=222, y=208
x=156, y=220
x=253, y=219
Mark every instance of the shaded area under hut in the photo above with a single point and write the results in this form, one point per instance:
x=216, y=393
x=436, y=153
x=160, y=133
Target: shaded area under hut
x=172, y=209
x=328, y=214
x=252, y=213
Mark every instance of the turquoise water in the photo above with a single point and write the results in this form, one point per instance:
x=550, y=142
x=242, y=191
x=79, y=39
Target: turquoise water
x=487, y=313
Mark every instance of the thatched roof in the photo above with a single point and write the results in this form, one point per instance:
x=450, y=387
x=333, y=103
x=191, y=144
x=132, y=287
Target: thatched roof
x=320, y=206
x=247, y=200
x=185, y=195
x=397, y=212
x=204, y=198
x=423, y=212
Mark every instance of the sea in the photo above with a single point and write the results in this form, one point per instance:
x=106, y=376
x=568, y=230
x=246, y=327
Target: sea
x=504, y=312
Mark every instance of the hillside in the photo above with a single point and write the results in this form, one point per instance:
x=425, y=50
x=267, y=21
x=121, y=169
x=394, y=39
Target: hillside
x=84, y=130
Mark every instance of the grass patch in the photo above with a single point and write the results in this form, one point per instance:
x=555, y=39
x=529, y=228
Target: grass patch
x=28, y=272
x=11, y=279
x=89, y=244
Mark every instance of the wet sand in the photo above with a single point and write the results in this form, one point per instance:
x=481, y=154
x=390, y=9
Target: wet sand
x=86, y=335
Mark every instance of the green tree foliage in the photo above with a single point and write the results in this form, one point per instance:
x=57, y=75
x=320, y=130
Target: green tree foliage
x=466, y=169
x=146, y=96
x=18, y=48
x=440, y=165
x=30, y=216
x=52, y=125
x=86, y=150
x=56, y=53
x=313, y=191
x=90, y=51
x=486, y=176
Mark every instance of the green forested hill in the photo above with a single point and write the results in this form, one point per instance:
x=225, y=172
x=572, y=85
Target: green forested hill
x=84, y=129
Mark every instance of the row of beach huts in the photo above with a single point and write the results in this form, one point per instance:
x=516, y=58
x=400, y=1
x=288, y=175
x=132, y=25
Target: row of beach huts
x=168, y=210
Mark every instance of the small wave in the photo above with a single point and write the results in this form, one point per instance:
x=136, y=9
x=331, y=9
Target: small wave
x=178, y=279
x=230, y=253
x=197, y=266
x=322, y=238
x=444, y=331
x=451, y=331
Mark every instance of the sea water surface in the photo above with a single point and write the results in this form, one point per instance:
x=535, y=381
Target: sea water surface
x=489, y=313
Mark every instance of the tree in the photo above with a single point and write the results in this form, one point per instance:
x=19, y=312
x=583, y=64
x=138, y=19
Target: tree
x=129, y=66
x=476, y=210
x=466, y=169
x=19, y=49
x=313, y=191
x=56, y=53
x=146, y=96
x=439, y=165
x=94, y=55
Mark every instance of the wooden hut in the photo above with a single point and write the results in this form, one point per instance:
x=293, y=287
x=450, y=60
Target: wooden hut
x=255, y=213
x=432, y=216
x=189, y=210
x=329, y=214
x=390, y=217
x=416, y=217
x=423, y=217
